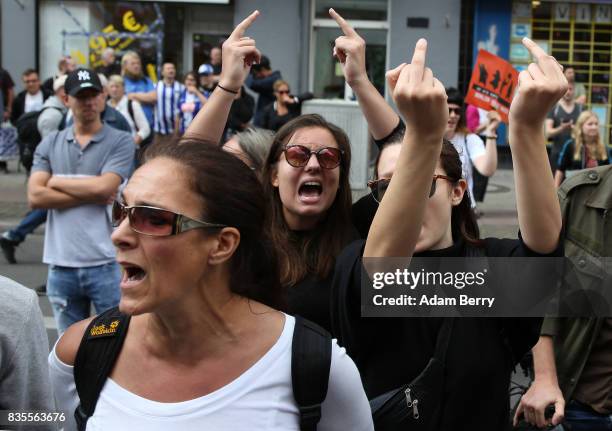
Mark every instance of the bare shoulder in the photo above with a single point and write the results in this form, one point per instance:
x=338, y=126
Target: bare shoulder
x=68, y=345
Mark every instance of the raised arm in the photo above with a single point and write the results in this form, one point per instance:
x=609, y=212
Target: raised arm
x=486, y=164
x=238, y=54
x=421, y=99
x=540, y=87
x=350, y=50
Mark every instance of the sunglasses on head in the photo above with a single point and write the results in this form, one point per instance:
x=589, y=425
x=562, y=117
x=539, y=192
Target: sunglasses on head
x=153, y=221
x=299, y=155
x=379, y=187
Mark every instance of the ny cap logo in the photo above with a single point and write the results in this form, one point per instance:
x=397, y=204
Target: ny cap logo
x=83, y=75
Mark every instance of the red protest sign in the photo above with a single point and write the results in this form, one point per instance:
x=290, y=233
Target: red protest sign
x=493, y=84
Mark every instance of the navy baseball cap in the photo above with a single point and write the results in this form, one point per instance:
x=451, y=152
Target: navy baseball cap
x=82, y=79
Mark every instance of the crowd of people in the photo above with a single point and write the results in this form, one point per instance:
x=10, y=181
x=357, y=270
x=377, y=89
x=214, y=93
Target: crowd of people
x=224, y=261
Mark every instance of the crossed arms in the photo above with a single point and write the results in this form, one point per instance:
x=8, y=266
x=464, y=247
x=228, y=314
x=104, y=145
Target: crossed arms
x=46, y=191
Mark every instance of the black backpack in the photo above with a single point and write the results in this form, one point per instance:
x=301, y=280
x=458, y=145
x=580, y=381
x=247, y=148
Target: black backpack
x=28, y=135
x=104, y=337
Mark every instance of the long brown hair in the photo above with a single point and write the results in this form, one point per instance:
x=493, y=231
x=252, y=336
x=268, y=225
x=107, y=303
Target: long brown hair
x=314, y=251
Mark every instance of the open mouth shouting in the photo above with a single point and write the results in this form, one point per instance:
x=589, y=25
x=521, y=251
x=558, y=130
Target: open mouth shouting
x=132, y=275
x=310, y=192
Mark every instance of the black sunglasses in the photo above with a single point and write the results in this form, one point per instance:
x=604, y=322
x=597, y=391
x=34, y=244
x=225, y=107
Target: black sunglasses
x=299, y=155
x=379, y=187
x=455, y=110
x=154, y=221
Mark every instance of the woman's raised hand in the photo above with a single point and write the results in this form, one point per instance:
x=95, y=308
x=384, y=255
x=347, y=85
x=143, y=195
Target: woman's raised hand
x=540, y=88
x=419, y=96
x=350, y=51
x=238, y=54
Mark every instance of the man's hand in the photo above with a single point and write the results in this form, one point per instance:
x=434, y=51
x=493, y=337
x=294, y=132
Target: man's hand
x=541, y=394
x=350, y=51
x=420, y=98
x=540, y=88
x=238, y=54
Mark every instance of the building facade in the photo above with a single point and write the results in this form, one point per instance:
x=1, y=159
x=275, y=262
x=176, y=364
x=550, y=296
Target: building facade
x=297, y=35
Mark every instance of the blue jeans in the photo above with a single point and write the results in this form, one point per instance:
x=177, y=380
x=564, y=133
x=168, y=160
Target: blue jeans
x=72, y=290
x=580, y=417
x=27, y=225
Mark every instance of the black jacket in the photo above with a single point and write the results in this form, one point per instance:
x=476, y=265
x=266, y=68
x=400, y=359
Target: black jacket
x=19, y=104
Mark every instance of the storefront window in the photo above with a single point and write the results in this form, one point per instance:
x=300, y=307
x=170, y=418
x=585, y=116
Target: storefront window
x=369, y=19
x=576, y=34
x=367, y=10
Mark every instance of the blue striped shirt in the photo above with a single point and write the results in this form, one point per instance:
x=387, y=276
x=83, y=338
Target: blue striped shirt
x=166, y=106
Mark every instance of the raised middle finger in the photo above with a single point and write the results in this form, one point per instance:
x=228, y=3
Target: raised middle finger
x=418, y=61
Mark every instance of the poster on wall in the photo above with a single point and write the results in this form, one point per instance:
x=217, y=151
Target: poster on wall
x=562, y=12
x=493, y=84
x=492, y=27
x=603, y=14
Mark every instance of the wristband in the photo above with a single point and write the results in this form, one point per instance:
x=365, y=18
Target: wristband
x=227, y=89
x=491, y=137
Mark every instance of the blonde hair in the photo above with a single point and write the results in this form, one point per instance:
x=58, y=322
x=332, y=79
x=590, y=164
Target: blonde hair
x=127, y=56
x=115, y=79
x=599, y=152
x=278, y=84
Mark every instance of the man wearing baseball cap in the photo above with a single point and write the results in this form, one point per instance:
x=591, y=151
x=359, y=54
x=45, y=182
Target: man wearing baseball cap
x=75, y=175
x=207, y=79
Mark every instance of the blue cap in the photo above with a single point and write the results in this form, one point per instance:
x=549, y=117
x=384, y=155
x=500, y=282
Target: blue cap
x=205, y=69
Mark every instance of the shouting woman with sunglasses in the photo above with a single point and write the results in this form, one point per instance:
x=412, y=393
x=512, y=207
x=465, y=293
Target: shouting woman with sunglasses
x=425, y=211
x=204, y=346
x=306, y=182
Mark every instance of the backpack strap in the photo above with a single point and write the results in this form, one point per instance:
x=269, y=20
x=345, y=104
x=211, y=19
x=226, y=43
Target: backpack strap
x=130, y=108
x=96, y=357
x=310, y=364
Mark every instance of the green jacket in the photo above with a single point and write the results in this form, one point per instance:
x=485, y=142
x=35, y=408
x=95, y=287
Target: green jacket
x=586, y=205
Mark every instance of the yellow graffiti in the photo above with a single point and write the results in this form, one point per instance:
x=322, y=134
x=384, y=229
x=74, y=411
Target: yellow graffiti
x=130, y=23
x=152, y=72
x=97, y=43
x=79, y=57
x=111, y=38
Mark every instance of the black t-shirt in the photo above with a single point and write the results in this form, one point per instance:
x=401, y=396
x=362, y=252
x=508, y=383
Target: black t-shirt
x=390, y=352
x=311, y=297
x=362, y=214
x=559, y=115
x=273, y=121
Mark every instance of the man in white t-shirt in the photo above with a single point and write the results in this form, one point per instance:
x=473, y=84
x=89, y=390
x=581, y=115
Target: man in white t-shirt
x=31, y=99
